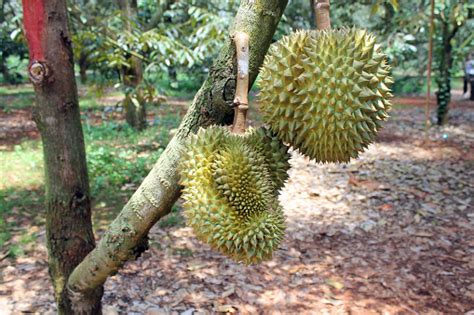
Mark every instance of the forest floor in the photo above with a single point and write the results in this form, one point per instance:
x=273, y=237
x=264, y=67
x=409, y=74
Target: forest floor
x=389, y=233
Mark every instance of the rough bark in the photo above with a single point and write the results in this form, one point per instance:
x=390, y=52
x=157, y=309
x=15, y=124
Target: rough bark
x=56, y=112
x=160, y=189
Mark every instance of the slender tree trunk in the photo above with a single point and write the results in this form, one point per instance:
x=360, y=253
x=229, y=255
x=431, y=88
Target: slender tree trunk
x=83, y=67
x=160, y=189
x=430, y=62
x=157, y=18
x=443, y=95
x=4, y=69
x=56, y=113
x=312, y=4
x=135, y=106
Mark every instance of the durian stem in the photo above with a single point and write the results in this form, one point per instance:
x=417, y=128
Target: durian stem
x=241, y=99
x=323, y=20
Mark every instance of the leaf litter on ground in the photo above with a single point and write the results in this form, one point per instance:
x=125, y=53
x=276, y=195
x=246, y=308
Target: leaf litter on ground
x=391, y=233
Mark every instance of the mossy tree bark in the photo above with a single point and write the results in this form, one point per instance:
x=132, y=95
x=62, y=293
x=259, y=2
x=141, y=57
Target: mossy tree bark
x=56, y=113
x=154, y=198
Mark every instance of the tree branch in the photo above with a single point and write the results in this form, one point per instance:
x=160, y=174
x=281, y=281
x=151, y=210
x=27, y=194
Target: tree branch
x=241, y=100
x=160, y=189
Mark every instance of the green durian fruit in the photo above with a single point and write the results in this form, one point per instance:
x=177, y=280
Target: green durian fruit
x=326, y=92
x=241, y=175
x=230, y=199
x=275, y=153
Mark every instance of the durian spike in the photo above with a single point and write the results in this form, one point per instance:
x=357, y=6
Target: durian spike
x=323, y=20
x=241, y=101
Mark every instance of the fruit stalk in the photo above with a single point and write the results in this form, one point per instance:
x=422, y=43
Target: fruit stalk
x=323, y=20
x=241, y=101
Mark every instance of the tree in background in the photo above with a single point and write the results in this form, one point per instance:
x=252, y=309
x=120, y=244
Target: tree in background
x=451, y=17
x=145, y=40
x=56, y=113
x=132, y=75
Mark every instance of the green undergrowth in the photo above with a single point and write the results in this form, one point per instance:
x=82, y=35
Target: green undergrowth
x=21, y=213
x=174, y=218
x=118, y=159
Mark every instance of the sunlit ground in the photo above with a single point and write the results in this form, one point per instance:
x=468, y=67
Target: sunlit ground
x=387, y=233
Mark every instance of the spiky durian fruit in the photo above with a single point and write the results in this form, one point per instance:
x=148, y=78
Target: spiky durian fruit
x=230, y=196
x=275, y=153
x=326, y=92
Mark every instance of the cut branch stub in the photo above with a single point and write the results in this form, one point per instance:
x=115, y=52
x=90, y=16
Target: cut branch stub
x=323, y=20
x=38, y=72
x=241, y=101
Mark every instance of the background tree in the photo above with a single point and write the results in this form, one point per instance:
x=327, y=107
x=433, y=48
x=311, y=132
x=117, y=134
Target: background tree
x=132, y=75
x=56, y=113
x=451, y=17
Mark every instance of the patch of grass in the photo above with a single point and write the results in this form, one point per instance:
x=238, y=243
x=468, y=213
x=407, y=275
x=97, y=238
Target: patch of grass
x=173, y=219
x=185, y=86
x=91, y=100
x=20, y=211
x=23, y=166
x=16, y=97
x=118, y=156
x=16, y=90
x=24, y=243
x=418, y=86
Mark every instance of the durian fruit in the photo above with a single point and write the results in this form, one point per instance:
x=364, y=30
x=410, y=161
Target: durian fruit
x=275, y=153
x=326, y=92
x=230, y=199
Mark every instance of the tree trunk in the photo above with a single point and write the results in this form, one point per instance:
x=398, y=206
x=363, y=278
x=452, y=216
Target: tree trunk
x=83, y=67
x=135, y=106
x=4, y=69
x=56, y=113
x=158, y=192
x=312, y=22
x=471, y=82
x=443, y=95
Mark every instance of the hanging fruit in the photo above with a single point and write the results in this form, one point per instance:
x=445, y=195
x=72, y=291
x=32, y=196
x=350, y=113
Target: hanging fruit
x=326, y=92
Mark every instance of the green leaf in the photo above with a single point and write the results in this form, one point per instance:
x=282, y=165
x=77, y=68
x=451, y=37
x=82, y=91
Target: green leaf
x=395, y=4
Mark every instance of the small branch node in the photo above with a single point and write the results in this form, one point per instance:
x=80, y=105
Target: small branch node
x=38, y=72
